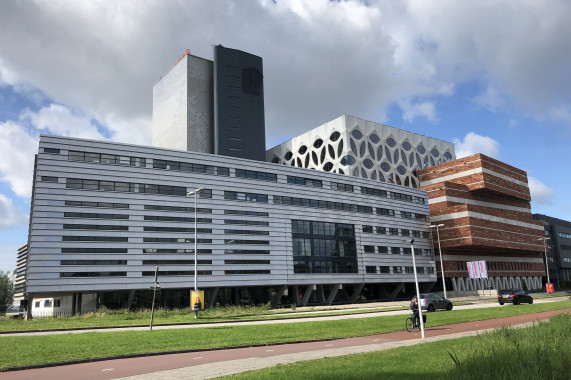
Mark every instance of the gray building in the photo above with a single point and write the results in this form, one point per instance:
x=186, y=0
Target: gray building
x=558, y=244
x=212, y=106
x=105, y=215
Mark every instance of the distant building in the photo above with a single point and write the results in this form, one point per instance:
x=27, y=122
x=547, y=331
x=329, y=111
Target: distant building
x=361, y=148
x=212, y=106
x=558, y=243
x=20, y=276
x=484, y=205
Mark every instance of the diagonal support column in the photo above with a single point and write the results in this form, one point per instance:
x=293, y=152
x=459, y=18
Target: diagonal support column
x=308, y=290
x=333, y=292
x=356, y=293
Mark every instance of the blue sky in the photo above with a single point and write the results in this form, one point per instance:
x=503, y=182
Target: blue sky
x=490, y=76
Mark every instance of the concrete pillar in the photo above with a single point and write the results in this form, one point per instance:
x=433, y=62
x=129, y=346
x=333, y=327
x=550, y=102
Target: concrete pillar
x=393, y=295
x=30, y=299
x=356, y=293
x=79, y=301
x=213, y=296
x=333, y=292
x=277, y=298
x=130, y=299
x=308, y=290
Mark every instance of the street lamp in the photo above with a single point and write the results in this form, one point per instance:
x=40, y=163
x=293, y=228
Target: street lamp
x=545, y=251
x=417, y=289
x=195, y=193
x=440, y=251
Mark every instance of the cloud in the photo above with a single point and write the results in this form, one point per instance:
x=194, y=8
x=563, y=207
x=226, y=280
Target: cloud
x=540, y=193
x=17, y=164
x=422, y=109
x=11, y=216
x=8, y=257
x=474, y=143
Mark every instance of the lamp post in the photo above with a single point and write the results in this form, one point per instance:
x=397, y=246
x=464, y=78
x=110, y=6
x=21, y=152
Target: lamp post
x=440, y=252
x=417, y=289
x=545, y=251
x=195, y=193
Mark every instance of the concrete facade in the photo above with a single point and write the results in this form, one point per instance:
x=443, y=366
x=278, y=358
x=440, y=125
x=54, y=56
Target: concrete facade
x=558, y=234
x=484, y=205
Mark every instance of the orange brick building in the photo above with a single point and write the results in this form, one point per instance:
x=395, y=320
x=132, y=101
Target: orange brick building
x=484, y=205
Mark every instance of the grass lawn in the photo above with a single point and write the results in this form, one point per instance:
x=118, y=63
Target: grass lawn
x=539, y=352
x=112, y=318
x=31, y=350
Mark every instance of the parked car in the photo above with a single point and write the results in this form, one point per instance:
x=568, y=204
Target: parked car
x=15, y=312
x=515, y=296
x=431, y=302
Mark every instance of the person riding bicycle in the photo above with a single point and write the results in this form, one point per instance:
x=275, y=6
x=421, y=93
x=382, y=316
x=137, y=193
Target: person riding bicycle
x=414, y=308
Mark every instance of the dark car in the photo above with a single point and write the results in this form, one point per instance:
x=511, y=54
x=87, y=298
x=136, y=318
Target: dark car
x=431, y=302
x=515, y=296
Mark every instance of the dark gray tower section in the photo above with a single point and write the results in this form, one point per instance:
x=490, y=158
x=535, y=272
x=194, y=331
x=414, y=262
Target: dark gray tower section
x=239, y=128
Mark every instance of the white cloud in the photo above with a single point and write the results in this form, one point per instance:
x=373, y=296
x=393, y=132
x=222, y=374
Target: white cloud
x=11, y=216
x=474, y=143
x=8, y=257
x=17, y=164
x=491, y=99
x=421, y=109
x=540, y=193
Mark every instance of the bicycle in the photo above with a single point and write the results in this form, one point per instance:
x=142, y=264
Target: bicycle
x=409, y=322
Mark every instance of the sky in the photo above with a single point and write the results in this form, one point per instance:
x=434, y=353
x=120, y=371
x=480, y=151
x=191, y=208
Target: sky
x=490, y=76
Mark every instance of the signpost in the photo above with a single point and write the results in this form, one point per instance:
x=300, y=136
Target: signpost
x=154, y=289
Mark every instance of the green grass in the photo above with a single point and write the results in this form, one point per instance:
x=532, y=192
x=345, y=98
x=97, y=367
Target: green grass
x=539, y=352
x=122, y=317
x=31, y=350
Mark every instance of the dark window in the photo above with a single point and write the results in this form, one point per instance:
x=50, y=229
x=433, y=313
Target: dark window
x=406, y=215
x=397, y=269
x=385, y=269
x=96, y=204
x=93, y=274
x=73, y=183
x=249, y=242
x=251, y=174
x=95, y=238
x=369, y=249
x=395, y=250
x=250, y=197
x=95, y=227
x=371, y=269
x=383, y=249
x=51, y=150
x=381, y=230
x=176, y=273
x=248, y=271
x=244, y=212
x=90, y=215
x=247, y=251
x=394, y=231
x=375, y=192
x=246, y=232
x=247, y=262
x=304, y=181
x=93, y=262
x=342, y=187
x=49, y=179
x=385, y=211
x=368, y=229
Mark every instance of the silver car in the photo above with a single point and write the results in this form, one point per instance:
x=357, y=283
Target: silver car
x=431, y=302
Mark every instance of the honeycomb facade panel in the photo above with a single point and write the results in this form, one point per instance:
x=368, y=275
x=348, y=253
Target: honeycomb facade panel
x=373, y=151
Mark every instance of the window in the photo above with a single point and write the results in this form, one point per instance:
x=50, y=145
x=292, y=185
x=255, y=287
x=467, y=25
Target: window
x=405, y=232
x=415, y=233
x=85, y=184
x=385, y=269
x=304, y=181
x=51, y=150
x=406, y=215
x=406, y=251
x=249, y=197
x=190, y=167
x=385, y=211
x=47, y=303
x=375, y=192
x=95, y=238
x=394, y=231
x=96, y=204
x=383, y=249
x=420, y=217
x=49, y=179
x=368, y=229
x=106, y=158
x=381, y=230
x=395, y=250
x=37, y=304
x=341, y=187
x=251, y=174
x=397, y=269
x=371, y=269
x=57, y=303
x=369, y=249
x=409, y=270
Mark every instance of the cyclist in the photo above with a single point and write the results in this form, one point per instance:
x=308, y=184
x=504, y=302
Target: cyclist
x=414, y=308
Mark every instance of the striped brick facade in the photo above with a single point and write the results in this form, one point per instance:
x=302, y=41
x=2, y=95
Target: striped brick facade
x=484, y=205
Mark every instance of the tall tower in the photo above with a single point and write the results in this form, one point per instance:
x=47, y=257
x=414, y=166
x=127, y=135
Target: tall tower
x=212, y=106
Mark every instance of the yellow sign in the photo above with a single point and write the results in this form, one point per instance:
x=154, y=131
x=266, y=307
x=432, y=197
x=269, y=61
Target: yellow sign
x=197, y=300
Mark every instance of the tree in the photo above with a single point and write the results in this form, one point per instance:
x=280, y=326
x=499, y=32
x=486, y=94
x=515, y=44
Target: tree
x=6, y=292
